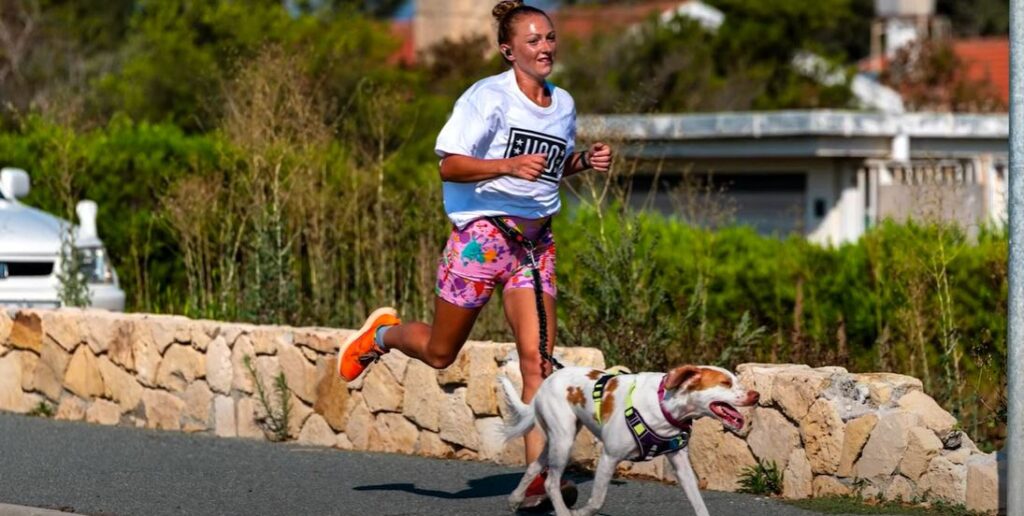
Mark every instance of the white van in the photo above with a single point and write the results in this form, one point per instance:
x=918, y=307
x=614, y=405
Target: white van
x=30, y=258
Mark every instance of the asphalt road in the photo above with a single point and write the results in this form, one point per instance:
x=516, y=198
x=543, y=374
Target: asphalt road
x=89, y=469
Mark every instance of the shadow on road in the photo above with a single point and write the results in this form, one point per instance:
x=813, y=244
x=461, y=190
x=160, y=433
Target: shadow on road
x=494, y=485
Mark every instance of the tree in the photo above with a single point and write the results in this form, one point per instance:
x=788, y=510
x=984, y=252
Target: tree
x=929, y=76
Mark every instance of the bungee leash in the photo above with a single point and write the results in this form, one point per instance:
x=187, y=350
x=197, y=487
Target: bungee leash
x=513, y=233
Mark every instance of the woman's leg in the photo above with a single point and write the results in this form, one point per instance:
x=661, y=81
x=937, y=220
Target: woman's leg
x=521, y=312
x=435, y=344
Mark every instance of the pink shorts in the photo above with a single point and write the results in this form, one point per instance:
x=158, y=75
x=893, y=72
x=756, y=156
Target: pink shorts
x=479, y=257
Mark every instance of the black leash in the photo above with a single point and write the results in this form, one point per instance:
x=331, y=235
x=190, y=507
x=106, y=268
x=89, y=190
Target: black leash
x=517, y=236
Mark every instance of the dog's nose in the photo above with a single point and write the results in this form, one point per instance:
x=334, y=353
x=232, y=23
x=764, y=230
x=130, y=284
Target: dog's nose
x=753, y=396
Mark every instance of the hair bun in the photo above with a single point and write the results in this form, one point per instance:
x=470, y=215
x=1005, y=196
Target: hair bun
x=504, y=7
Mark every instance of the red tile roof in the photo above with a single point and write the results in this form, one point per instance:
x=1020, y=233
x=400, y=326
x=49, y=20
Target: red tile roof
x=988, y=60
x=583, y=20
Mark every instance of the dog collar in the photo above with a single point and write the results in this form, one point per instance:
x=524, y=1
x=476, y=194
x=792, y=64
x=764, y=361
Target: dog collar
x=682, y=425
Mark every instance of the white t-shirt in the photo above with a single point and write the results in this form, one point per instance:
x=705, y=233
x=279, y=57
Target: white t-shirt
x=493, y=119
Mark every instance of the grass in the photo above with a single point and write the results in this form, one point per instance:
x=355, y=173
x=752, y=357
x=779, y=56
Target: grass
x=854, y=505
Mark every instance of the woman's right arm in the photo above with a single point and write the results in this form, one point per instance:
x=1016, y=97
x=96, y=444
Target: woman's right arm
x=457, y=168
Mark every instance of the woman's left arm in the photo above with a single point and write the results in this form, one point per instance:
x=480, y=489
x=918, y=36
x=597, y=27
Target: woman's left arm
x=597, y=157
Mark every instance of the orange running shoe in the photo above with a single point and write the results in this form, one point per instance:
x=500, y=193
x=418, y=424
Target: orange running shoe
x=359, y=350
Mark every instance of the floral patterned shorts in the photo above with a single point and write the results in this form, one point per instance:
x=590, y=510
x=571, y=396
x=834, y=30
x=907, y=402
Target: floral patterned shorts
x=479, y=257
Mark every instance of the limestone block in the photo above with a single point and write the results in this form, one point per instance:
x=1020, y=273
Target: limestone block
x=718, y=457
x=585, y=449
x=163, y=410
x=145, y=355
x=268, y=341
x=886, y=446
x=26, y=331
x=62, y=326
x=310, y=355
x=579, y=356
x=180, y=366
x=424, y=399
x=103, y=412
x=514, y=453
x=458, y=372
x=29, y=363
x=932, y=415
x=899, y=490
x=48, y=378
x=343, y=443
x=395, y=434
x=100, y=328
x=219, y=369
x=854, y=437
x=761, y=378
x=245, y=417
x=652, y=469
x=794, y=390
x=430, y=444
x=361, y=429
x=300, y=412
x=121, y=349
x=70, y=409
x=797, y=479
x=241, y=378
x=382, y=391
x=772, y=437
x=397, y=362
x=331, y=394
x=11, y=396
x=982, y=484
x=224, y=424
x=316, y=432
x=922, y=446
x=83, y=374
x=481, y=394
x=162, y=330
x=884, y=388
x=299, y=373
x=828, y=486
x=6, y=323
x=959, y=456
x=119, y=385
x=319, y=341
x=202, y=333
x=457, y=421
x=944, y=481
x=823, y=434
x=492, y=439
x=198, y=400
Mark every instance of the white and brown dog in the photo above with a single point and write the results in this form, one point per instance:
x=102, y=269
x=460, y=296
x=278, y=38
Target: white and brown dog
x=663, y=405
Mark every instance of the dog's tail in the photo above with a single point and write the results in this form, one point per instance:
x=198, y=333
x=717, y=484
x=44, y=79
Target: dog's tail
x=521, y=415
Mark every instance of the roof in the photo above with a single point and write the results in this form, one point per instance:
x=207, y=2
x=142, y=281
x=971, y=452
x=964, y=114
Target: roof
x=584, y=20
x=795, y=123
x=987, y=60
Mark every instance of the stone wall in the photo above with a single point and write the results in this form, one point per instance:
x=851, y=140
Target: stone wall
x=829, y=431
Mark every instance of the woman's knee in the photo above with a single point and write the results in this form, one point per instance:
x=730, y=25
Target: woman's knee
x=440, y=360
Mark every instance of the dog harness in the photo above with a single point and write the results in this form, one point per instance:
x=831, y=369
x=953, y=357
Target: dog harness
x=650, y=443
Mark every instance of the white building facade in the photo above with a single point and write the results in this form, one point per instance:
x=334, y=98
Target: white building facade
x=829, y=175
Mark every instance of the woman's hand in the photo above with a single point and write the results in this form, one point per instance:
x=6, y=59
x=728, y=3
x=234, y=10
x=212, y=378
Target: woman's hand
x=600, y=157
x=527, y=166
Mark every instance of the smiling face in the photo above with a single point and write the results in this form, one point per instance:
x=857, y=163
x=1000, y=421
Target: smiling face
x=711, y=391
x=532, y=45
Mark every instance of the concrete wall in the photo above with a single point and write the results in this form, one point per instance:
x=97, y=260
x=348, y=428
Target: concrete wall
x=829, y=431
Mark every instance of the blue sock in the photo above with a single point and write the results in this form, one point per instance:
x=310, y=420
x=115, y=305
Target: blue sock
x=378, y=337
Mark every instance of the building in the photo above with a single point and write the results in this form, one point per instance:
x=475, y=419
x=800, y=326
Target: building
x=829, y=175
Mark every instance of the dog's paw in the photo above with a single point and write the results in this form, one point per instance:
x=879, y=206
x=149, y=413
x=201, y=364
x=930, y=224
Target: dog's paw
x=582, y=511
x=514, y=502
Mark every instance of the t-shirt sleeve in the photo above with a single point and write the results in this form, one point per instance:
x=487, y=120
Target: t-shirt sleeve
x=467, y=132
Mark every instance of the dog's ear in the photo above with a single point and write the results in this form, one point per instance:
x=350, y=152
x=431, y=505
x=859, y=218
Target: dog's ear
x=681, y=375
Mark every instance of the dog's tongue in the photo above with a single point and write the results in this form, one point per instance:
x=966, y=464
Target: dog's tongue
x=729, y=414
